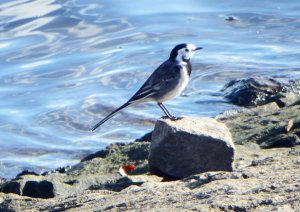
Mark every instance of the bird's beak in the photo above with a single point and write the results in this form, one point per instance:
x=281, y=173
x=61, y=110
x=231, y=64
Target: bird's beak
x=198, y=48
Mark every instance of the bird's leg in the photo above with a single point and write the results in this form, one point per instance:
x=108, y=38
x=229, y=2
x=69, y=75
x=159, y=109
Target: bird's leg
x=170, y=116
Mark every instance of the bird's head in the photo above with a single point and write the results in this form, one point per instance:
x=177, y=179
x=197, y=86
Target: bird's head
x=183, y=52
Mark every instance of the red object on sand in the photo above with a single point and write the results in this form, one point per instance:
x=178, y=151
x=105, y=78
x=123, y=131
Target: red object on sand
x=129, y=167
x=125, y=169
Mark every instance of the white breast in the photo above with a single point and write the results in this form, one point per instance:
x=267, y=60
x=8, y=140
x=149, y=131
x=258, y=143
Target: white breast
x=183, y=82
x=184, y=79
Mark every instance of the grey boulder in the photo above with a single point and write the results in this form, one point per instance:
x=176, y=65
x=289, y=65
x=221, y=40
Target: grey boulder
x=189, y=146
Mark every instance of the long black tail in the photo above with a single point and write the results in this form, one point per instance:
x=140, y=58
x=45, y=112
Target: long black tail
x=110, y=115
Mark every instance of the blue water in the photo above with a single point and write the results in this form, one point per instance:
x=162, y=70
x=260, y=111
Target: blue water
x=67, y=63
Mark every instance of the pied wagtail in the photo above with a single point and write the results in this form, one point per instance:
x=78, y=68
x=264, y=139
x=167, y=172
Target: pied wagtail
x=166, y=82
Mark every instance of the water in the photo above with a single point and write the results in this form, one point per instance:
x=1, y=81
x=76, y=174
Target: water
x=67, y=63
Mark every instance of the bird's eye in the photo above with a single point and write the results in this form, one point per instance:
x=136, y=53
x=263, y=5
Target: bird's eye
x=186, y=50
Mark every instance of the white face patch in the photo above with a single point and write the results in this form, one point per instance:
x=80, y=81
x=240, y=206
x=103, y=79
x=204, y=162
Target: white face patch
x=186, y=53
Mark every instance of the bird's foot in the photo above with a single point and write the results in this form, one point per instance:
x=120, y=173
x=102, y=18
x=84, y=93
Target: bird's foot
x=173, y=118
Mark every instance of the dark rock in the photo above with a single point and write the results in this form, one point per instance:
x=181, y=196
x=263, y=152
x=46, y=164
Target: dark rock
x=45, y=173
x=247, y=175
x=99, y=154
x=146, y=137
x=256, y=91
x=42, y=189
x=63, y=169
x=252, y=91
x=71, y=182
x=27, y=172
x=11, y=187
x=281, y=140
x=297, y=132
x=190, y=146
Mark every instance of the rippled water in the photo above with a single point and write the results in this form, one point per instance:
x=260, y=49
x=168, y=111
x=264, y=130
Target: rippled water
x=67, y=63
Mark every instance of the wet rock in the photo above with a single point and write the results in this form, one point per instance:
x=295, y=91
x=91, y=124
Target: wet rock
x=257, y=91
x=190, y=146
x=252, y=91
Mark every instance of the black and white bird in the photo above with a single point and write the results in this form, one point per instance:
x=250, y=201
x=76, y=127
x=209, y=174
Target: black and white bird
x=166, y=82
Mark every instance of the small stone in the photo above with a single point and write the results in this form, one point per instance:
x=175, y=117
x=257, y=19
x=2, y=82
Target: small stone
x=71, y=182
x=190, y=146
x=290, y=125
x=231, y=18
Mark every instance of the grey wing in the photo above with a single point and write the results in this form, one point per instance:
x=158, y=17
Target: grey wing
x=163, y=76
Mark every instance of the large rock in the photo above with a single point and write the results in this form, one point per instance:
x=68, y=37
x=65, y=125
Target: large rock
x=190, y=146
x=252, y=91
x=256, y=91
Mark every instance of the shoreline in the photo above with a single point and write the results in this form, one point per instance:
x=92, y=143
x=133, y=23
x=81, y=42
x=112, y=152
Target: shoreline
x=266, y=174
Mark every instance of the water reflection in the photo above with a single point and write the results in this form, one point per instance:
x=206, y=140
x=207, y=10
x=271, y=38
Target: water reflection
x=66, y=64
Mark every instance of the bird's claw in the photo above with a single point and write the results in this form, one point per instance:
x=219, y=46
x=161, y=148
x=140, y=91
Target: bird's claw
x=174, y=118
